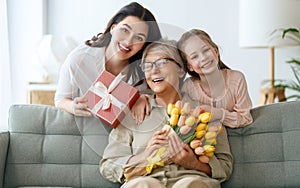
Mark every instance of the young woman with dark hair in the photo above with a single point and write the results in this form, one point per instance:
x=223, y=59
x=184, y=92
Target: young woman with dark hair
x=117, y=50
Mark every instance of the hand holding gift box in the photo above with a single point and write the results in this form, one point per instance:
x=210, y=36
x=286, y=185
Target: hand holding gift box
x=110, y=98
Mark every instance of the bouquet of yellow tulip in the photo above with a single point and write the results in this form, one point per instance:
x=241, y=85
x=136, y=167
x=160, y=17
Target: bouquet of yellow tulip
x=194, y=130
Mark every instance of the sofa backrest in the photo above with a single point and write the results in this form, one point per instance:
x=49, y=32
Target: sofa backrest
x=50, y=147
x=267, y=152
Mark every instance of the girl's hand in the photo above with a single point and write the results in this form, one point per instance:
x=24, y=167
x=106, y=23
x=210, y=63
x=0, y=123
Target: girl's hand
x=79, y=107
x=140, y=108
x=217, y=113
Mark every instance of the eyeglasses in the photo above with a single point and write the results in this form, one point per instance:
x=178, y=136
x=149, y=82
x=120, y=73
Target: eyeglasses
x=159, y=63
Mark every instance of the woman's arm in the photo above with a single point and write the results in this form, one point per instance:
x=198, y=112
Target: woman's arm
x=116, y=154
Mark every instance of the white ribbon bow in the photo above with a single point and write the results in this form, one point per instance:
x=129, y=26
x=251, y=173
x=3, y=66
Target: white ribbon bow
x=101, y=90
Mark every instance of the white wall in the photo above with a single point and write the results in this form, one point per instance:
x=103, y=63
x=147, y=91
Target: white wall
x=82, y=19
x=25, y=28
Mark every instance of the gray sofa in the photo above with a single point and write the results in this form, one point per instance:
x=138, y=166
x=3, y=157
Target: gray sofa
x=48, y=147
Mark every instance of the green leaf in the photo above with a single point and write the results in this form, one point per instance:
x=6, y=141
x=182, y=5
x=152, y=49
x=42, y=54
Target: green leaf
x=289, y=30
x=294, y=62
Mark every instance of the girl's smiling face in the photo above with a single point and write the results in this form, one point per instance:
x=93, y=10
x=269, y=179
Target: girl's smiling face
x=202, y=58
x=128, y=37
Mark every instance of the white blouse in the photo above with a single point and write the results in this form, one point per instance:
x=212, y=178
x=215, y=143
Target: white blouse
x=81, y=68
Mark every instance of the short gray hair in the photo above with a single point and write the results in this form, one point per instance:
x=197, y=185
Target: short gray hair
x=164, y=47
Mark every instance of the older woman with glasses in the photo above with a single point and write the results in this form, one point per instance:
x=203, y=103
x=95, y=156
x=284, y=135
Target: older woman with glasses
x=125, y=157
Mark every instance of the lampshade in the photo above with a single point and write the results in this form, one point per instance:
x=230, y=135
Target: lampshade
x=52, y=51
x=261, y=21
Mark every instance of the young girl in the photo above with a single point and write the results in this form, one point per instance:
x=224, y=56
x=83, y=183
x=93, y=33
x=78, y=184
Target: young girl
x=219, y=89
x=117, y=51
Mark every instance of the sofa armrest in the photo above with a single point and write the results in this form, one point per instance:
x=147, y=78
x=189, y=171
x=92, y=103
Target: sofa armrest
x=4, y=139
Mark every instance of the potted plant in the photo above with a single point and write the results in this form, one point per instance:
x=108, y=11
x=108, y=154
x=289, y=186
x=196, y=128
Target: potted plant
x=293, y=85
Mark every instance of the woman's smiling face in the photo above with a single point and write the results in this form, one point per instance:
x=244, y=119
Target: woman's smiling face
x=128, y=37
x=163, y=79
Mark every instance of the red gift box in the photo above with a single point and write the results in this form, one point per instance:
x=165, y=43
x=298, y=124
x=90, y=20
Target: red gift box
x=110, y=98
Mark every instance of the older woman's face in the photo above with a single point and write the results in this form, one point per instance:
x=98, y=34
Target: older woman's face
x=164, y=78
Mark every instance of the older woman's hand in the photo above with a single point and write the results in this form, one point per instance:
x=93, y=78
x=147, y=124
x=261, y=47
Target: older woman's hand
x=183, y=155
x=136, y=165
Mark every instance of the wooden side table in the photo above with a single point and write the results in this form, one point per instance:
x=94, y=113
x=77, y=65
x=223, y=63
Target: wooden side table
x=41, y=93
x=268, y=95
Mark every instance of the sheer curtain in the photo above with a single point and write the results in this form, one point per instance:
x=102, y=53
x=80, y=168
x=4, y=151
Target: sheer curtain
x=5, y=80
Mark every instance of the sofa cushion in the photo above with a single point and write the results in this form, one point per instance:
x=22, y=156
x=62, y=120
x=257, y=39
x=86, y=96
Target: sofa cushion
x=266, y=153
x=50, y=147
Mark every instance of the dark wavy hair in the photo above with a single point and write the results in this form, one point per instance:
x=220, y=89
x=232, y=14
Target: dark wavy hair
x=154, y=34
x=202, y=36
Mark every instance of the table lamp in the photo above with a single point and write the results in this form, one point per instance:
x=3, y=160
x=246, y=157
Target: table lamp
x=261, y=23
x=52, y=51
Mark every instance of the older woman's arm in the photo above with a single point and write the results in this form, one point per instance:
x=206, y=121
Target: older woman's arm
x=116, y=154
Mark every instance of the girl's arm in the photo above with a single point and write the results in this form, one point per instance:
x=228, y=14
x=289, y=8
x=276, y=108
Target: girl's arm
x=239, y=113
x=240, y=116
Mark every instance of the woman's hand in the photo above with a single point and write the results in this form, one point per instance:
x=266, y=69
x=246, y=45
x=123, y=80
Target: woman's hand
x=140, y=108
x=136, y=165
x=185, y=156
x=181, y=153
x=76, y=106
x=158, y=140
x=79, y=107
